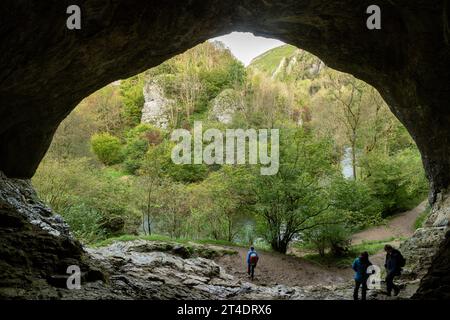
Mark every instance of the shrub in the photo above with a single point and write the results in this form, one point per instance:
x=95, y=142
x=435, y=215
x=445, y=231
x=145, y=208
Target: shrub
x=107, y=148
x=138, y=141
x=85, y=222
x=334, y=237
x=355, y=203
x=78, y=190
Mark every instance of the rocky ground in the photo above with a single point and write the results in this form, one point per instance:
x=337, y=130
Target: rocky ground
x=159, y=270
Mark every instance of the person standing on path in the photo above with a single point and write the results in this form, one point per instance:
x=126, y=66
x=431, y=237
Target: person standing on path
x=360, y=266
x=252, y=260
x=394, y=263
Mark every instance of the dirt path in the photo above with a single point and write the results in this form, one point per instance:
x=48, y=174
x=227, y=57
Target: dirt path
x=275, y=268
x=400, y=226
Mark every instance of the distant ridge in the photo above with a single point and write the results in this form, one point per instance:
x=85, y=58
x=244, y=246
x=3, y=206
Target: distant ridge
x=270, y=60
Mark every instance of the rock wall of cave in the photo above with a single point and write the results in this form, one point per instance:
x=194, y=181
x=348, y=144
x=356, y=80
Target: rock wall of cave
x=46, y=70
x=36, y=246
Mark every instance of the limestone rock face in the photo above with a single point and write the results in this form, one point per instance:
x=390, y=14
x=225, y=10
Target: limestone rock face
x=434, y=251
x=300, y=63
x=36, y=246
x=225, y=105
x=424, y=245
x=156, y=107
x=420, y=249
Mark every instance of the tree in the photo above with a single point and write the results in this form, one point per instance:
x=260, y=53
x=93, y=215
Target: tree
x=133, y=99
x=150, y=185
x=292, y=201
x=227, y=199
x=347, y=93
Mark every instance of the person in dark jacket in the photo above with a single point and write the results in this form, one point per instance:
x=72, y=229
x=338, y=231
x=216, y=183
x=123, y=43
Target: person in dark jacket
x=393, y=269
x=360, y=266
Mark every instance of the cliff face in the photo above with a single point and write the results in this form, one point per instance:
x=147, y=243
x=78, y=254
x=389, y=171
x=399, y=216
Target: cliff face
x=156, y=107
x=45, y=70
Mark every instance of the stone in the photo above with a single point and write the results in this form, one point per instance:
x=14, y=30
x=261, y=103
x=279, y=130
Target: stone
x=36, y=246
x=225, y=105
x=156, y=107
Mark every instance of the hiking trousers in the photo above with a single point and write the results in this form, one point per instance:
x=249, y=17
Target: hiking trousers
x=390, y=283
x=358, y=284
x=251, y=270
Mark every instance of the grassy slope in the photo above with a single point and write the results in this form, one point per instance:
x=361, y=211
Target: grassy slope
x=269, y=61
x=372, y=247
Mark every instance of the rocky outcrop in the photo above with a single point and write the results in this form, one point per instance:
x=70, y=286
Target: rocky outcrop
x=225, y=105
x=159, y=270
x=300, y=65
x=423, y=246
x=36, y=246
x=156, y=106
x=433, y=252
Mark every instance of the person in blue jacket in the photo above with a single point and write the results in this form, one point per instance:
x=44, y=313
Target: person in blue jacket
x=360, y=266
x=251, y=262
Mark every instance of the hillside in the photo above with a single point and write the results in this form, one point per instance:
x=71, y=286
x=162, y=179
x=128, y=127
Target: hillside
x=270, y=60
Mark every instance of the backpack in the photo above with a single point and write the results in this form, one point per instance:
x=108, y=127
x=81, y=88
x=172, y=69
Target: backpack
x=254, y=259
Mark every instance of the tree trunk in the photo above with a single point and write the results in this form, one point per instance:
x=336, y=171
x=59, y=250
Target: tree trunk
x=354, y=159
x=280, y=246
x=149, y=225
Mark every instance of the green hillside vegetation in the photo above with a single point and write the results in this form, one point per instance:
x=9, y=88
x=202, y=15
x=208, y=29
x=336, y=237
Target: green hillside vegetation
x=109, y=175
x=269, y=61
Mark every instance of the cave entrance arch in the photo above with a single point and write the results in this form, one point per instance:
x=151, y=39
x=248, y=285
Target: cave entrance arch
x=47, y=69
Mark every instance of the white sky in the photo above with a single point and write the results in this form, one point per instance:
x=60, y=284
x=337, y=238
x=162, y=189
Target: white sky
x=245, y=46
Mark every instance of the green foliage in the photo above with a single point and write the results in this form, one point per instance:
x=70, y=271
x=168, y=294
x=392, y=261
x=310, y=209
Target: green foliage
x=78, y=190
x=219, y=203
x=269, y=61
x=319, y=112
x=293, y=200
x=85, y=222
x=345, y=261
x=133, y=100
x=138, y=140
x=217, y=80
x=329, y=237
x=107, y=148
x=354, y=202
x=395, y=180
